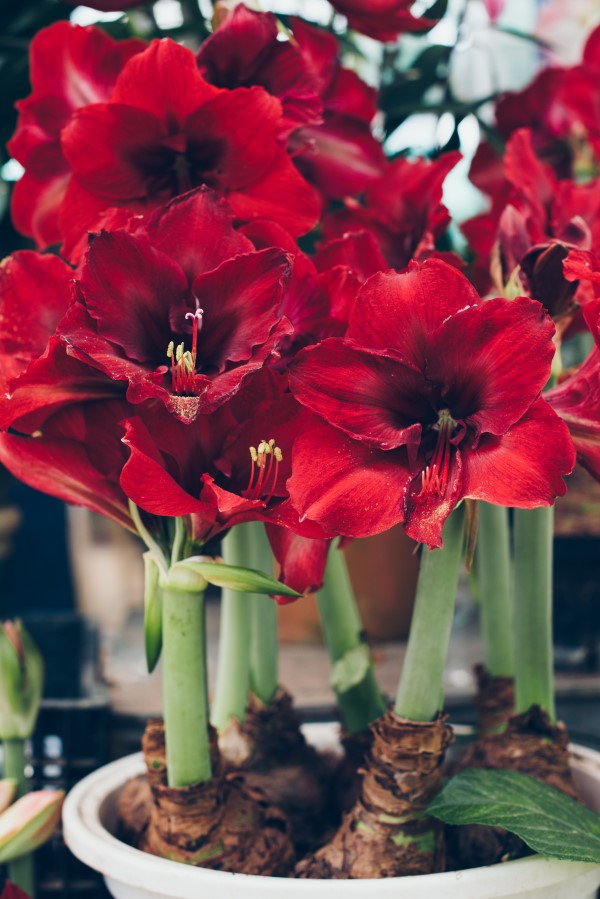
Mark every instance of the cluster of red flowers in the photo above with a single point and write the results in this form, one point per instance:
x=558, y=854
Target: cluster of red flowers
x=186, y=355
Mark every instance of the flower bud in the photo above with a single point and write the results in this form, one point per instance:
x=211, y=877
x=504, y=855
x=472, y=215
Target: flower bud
x=21, y=682
x=28, y=823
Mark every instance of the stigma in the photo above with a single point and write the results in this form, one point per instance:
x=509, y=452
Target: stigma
x=264, y=469
x=183, y=362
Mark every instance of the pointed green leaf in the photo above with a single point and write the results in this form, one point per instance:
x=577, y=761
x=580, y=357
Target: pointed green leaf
x=548, y=821
x=350, y=669
x=21, y=681
x=246, y=580
x=152, y=612
x=28, y=823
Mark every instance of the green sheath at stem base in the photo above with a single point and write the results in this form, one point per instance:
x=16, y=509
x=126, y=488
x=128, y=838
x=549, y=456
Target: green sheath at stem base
x=534, y=678
x=185, y=694
x=421, y=681
x=20, y=870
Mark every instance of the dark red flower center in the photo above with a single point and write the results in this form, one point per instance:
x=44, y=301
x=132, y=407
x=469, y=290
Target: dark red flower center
x=263, y=472
x=183, y=362
x=434, y=477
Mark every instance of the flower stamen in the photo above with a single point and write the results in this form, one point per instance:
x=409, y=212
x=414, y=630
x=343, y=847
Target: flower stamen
x=183, y=362
x=264, y=471
x=434, y=478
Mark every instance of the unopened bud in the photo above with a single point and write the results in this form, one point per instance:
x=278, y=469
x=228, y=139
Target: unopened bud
x=28, y=823
x=21, y=682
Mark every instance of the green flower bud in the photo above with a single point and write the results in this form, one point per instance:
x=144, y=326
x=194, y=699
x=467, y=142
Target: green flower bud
x=21, y=682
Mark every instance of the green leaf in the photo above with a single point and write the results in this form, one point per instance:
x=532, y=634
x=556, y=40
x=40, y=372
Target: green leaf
x=246, y=580
x=152, y=612
x=548, y=821
x=350, y=669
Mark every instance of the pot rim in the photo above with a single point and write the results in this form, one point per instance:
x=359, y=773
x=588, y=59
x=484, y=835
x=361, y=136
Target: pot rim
x=89, y=839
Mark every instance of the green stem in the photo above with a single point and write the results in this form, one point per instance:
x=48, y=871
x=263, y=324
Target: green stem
x=420, y=685
x=264, y=640
x=185, y=695
x=233, y=669
x=20, y=870
x=495, y=581
x=534, y=681
x=362, y=703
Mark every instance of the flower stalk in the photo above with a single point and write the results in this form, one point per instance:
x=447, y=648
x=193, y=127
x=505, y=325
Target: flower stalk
x=185, y=690
x=420, y=686
x=533, y=610
x=494, y=569
x=353, y=677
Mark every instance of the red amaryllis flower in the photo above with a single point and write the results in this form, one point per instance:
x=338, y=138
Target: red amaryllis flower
x=403, y=210
x=183, y=310
x=327, y=109
x=384, y=20
x=427, y=401
x=11, y=891
x=70, y=67
x=219, y=470
x=167, y=130
x=247, y=49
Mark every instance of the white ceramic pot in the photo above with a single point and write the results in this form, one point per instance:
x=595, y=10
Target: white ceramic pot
x=89, y=818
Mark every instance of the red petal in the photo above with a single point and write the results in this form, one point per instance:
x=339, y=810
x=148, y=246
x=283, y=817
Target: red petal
x=196, y=231
x=302, y=560
x=525, y=466
x=426, y=514
x=479, y=355
x=399, y=313
x=164, y=81
x=345, y=486
x=282, y=195
x=376, y=400
x=577, y=401
x=124, y=272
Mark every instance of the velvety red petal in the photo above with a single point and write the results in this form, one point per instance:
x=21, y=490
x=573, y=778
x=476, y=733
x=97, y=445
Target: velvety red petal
x=525, y=466
x=105, y=145
x=375, y=399
x=527, y=174
x=164, y=81
x=129, y=288
x=577, y=401
x=493, y=360
x=340, y=157
x=59, y=461
x=302, y=560
x=358, y=251
x=426, y=513
x=241, y=301
x=35, y=205
x=79, y=64
x=399, y=312
x=282, y=195
x=358, y=490
x=196, y=231
x=382, y=20
x=34, y=294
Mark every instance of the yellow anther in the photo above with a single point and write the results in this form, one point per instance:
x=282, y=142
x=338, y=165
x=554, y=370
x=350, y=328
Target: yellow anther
x=253, y=454
x=170, y=350
x=179, y=352
x=262, y=448
x=278, y=454
x=272, y=442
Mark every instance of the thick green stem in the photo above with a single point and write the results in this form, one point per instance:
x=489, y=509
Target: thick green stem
x=421, y=681
x=494, y=569
x=233, y=668
x=185, y=695
x=20, y=870
x=264, y=640
x=361, y=703
x=534, y=676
